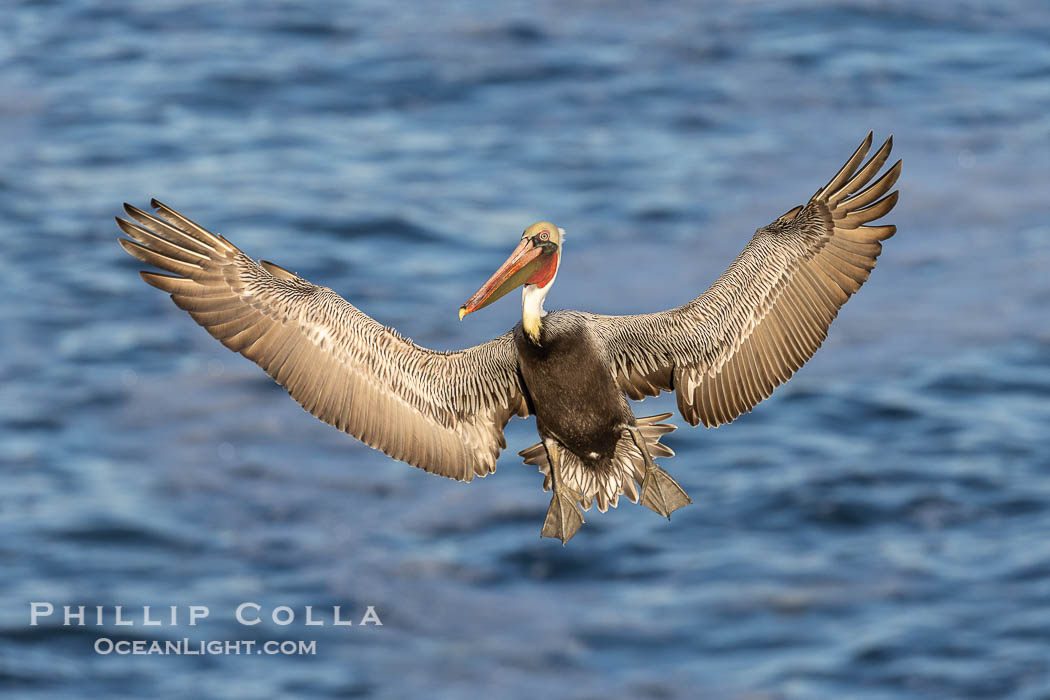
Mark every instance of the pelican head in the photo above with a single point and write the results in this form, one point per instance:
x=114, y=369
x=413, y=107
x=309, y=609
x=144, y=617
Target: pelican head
x=533, y=266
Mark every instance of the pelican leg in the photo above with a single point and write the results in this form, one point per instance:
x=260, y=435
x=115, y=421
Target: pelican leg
x=563, y=516
x=660, y=492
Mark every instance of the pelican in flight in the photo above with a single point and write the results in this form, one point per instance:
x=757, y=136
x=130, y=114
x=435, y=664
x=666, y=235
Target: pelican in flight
x=722, y=352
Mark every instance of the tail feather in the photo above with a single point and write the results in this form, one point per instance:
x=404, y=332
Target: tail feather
x=623, y=477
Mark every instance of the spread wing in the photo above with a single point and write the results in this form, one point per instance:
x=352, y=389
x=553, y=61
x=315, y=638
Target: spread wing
x=441, y=411
x=727, y=350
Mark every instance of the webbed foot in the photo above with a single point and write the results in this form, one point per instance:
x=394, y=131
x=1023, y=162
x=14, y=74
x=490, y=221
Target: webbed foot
x=661, y=493
x=563, y=518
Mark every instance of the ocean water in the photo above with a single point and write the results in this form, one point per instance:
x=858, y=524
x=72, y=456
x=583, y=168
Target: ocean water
x=879, y=528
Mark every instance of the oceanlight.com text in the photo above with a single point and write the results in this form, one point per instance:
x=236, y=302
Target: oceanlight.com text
x=187, y=647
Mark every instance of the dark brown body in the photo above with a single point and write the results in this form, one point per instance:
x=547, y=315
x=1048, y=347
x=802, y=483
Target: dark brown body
x=572, y=392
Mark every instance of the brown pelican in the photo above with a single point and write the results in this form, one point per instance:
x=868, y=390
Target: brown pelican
x=722, y=352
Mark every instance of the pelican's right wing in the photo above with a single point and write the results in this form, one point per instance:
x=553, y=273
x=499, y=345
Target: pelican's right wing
x=767, y=314
x=441, y=411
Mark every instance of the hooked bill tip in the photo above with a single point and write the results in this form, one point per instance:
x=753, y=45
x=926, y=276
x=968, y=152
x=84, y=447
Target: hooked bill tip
x=462, y=312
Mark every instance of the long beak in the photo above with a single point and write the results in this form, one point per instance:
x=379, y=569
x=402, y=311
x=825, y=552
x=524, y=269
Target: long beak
x=520, y=266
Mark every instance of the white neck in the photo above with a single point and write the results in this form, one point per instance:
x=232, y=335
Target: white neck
x=532, y=308
x=532, y=297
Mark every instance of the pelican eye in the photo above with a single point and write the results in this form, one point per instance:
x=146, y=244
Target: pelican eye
x=545, y=234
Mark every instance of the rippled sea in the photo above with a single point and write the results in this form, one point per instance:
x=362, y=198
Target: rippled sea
x=880, y=528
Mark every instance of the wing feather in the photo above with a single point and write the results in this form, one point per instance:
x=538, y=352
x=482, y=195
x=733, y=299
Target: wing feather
x=729, y=348
x=441, y=411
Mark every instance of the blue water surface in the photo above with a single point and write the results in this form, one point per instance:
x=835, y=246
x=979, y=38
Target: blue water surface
x=880, y=528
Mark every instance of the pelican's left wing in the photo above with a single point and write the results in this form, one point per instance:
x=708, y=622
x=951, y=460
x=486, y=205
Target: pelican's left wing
x=768, y=313
x=441, y=411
